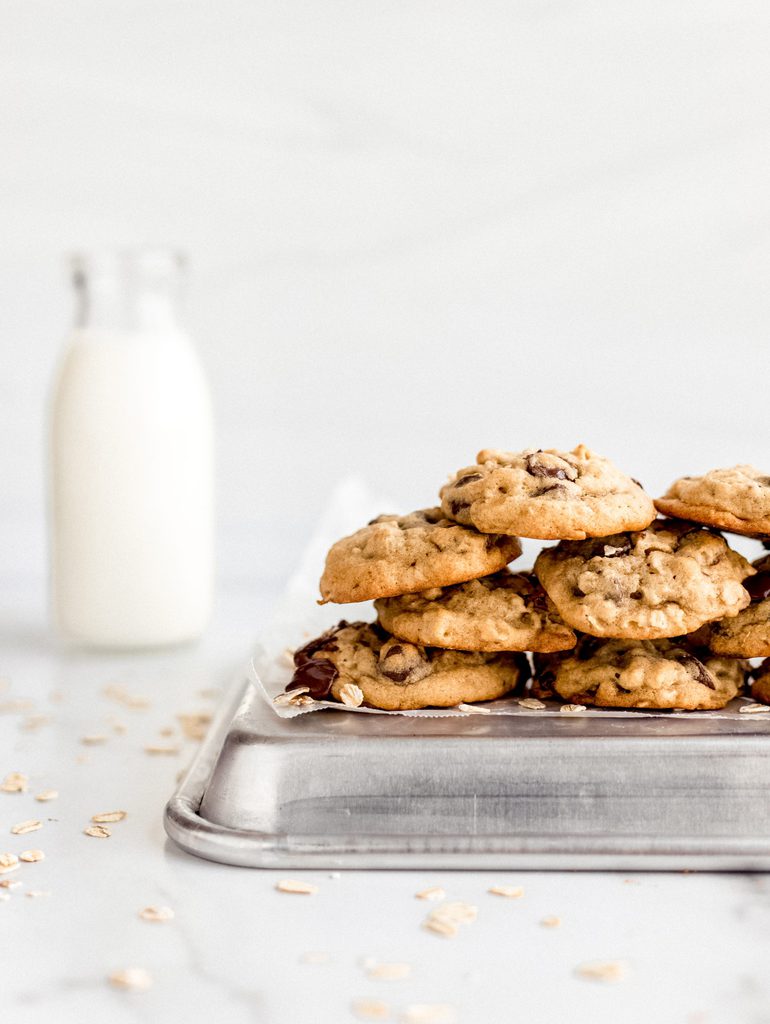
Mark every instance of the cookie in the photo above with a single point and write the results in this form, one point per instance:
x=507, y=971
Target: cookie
x=736, y=499
x=747, y=634
x=548, y=495
x=404, y=554
x=760, y=687
x=663, y=674
x=660, y=582
x=398, y=676
x=504, y=612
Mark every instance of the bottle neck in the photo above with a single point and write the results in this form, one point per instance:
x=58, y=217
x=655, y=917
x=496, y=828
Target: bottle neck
x=127, y=291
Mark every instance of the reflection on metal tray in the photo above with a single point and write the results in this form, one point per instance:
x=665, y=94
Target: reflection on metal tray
x=334, y=790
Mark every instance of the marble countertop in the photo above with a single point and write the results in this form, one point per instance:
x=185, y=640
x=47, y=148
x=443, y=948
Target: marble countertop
x=691, y=947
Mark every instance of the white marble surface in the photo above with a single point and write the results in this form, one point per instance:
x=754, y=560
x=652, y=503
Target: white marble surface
x=694, y=945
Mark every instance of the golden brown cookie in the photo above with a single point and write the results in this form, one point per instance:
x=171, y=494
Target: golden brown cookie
x=760, y=687
x=747, y=634
x=398, y=676
x=664, y=581
x=735, y=499
x=405, y=554
x=663, y=674
x=548, y=495
x=508, y=611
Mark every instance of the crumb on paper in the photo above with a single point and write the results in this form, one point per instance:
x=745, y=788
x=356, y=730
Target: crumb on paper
x=156, y=914
x=32, y=856
x=135, y=979
x=9, y=883
x=474, y=709
x=94, y=739
x=509, y=892
x=108, y=817
x=15, y=782
x=33, y=722
x=23, y=827
x=294, y=886
x=602, y=970
x=389, y=972
x=433, y=892
x=551, y=922
x=98, y=832
x=571, y=709
x=531, y=703
x=161, y=749
x=447, y=917
x=35, y=893
x=47, y=794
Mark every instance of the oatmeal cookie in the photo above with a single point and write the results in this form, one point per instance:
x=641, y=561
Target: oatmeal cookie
x=398, y=676
x=548, y=495
x=735, y=499
x=405, y=554
x=660, y=582
x=663, y=674
x=508, y=611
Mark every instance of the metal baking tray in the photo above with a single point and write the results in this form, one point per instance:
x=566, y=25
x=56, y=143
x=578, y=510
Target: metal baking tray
x=336, y=790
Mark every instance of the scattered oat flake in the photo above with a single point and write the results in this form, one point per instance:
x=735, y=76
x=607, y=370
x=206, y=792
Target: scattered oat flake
x=292, y=885
x=136, y=979
x=429, y=1013
x=370, y=1009
x=8, y=862
x=288, y=697
x=602, y=970
x=47, y=794
x=98, y=832
x=511, y=892
x=167, y=730
x=458, y=910
x=315, y=957
x=34, y=893
x=474, y=709
x=107, y=817
x=433, y=892
x=157, y=914
x=33, y=722
x=441, y=926
x=15, y=782
x=352, y=695
x=16, y=706
x=26, y=826
x=551, y=922
x=195, y=726
x=753, y=709
x=9, y=883
x=572, y=708
x=94, y=739
x=532, y=703
x=160, y=748
x=32, y=856
x=211, y=694
x=389, y=972
x=303, y=700
x=128, y=700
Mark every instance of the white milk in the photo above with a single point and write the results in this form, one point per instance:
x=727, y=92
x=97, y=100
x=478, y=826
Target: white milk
x=131, y=482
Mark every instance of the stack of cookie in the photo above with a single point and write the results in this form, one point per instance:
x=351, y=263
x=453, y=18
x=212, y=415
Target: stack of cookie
x=626, y=610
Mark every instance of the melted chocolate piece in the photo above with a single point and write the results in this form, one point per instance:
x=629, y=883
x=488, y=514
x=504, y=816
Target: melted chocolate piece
x=758, y=586
x=324, y=642
x=469, y=478
x=536, y=468
x=317, y=674
x=392, y=651
x=457, y=506
x=634, y=480
x=696, y=669
x=587, y=647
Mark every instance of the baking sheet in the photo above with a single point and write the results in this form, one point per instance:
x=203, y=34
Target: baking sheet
x=298, y=617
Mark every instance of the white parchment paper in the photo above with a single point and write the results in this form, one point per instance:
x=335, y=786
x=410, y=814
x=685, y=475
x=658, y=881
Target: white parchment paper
x=298, y=618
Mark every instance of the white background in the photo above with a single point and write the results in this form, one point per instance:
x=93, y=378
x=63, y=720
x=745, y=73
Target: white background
x=416, y=229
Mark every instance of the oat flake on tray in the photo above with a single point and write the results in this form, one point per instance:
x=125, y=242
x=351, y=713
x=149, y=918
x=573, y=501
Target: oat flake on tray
x=298, y=617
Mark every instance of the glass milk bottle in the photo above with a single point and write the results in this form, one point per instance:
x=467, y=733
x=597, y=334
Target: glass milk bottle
x=131, y=461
